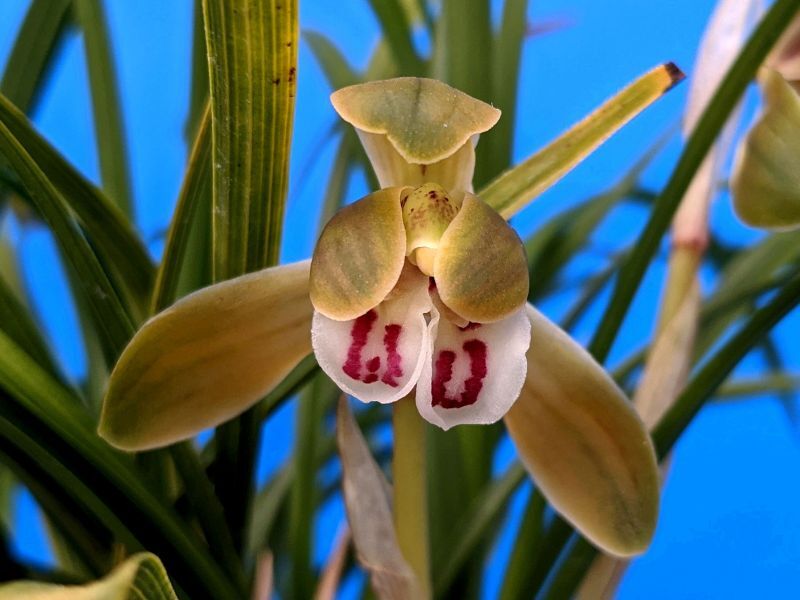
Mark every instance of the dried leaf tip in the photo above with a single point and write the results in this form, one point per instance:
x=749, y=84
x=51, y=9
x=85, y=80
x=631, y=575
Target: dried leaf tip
x=674, y=73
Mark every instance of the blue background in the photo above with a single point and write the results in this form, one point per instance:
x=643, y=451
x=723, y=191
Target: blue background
x=729, y=522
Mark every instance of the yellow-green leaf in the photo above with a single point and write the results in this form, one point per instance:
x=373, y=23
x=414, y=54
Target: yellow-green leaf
x=515, y=188
x=584, y=445
x=480, y=267
x=208, y=357
x=359, y=256
x=252, y=52
x=141, y=576
x=766, y=178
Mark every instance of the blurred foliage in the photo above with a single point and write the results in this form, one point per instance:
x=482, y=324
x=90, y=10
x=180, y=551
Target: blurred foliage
x=194, y=506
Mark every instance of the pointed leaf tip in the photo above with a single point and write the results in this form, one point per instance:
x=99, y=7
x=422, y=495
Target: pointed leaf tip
x=674, y=73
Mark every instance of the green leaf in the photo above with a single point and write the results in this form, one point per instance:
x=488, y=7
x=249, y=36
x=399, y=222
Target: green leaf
x=766, y=384
x=106, y=106
x=309, y=424
x=333, y=63
x=141, y=576
x=497, y=144
x=107, y=228
x=252, y=50
x=716, y=370
x=515, y=188
x=17, y=323
x=476, y=524
x=198, y=97
x=396, y=28
x=714, y=117
x=112, y=320
x=524, y=553
x=195, y=188
x=289, y=385
x=252, y=57
x=45, y=423
x=462, y=57
x=208, y=509
x=463, y=50
x=750, y=273
x=31, y=57
x=557, y=242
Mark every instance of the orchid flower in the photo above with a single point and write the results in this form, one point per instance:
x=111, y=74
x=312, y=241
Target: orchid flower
x=766, y=183
x=418, y=287
x=421, y=284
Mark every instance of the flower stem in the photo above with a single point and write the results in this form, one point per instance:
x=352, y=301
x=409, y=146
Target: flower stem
x=410, y=490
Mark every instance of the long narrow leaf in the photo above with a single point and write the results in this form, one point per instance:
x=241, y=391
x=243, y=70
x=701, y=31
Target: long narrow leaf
x=17, y=323
x=397, y=31
x=106, y=227
x=708, y=127
x=109, y=128
x=497, y=143
x=252, y=52
x=195, y=187
x=252, y=48
x=515, y=188
x=112, y=321
x=61, y=434
x=32, y=54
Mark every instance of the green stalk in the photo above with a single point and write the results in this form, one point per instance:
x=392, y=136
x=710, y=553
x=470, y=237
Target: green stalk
x=410, y=490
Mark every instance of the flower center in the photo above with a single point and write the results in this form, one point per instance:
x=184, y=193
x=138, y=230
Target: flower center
x=427, y=211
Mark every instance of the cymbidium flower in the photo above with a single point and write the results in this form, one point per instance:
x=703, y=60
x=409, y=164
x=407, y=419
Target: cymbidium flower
x=421, y=284
x=766, y=175
x=418, y=286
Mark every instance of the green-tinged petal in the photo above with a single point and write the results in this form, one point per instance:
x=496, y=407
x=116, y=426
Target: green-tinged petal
x=453, y=173
x=208, y=357
x=480, y=268
x=141, y=576
x=359, y=256
x=766, y=179
x=424, y=119
x=584, y=445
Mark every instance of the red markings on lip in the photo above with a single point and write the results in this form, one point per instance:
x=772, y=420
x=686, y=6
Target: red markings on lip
x=359, y=336
x=393, y=359
x=358, y=339
x=443, y=373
